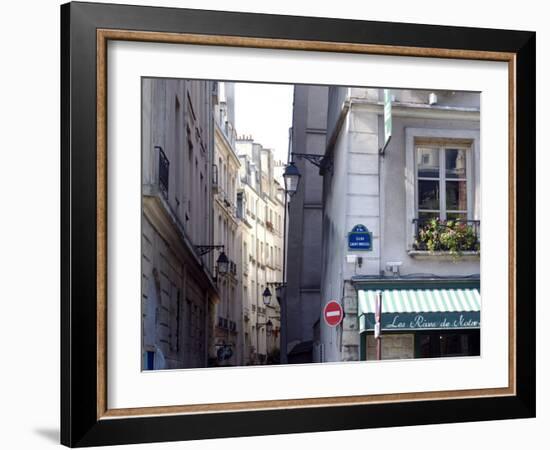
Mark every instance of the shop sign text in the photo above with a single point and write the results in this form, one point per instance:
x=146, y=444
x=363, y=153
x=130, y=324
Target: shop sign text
x=425, y=321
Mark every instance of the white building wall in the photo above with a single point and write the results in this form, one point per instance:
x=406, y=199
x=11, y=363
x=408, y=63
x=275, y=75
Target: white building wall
x=398, y=182
x=334, y=233
x=369, y=189
x=354, y=179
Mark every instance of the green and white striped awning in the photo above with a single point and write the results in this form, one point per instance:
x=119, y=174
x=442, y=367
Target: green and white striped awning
x=407, y=309
x=421, y=300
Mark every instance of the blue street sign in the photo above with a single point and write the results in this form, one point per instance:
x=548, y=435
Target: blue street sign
x=360, y=238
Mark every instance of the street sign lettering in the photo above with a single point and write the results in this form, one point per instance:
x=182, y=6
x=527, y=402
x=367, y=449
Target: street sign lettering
x=360, y=238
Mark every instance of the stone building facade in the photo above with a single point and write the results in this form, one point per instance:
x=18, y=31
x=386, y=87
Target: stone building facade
x=204, y=192
x=260, y=207
x=178, y=288
x=428, y=172
x=427, y=176
x=228, y=328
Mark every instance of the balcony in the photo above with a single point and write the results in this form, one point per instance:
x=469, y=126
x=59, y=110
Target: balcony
x=223, y=323
x=269, y=226
x=226, y=324
x=233, y=268
x=433, y=236
x=156, y=181
x=166, y=212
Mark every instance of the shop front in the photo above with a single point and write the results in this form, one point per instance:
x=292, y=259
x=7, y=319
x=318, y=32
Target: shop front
x=421, y=320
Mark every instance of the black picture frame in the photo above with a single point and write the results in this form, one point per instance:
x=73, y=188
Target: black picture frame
x=80, y=425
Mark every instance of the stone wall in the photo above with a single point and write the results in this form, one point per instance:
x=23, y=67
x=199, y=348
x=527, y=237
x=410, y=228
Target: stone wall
x=173, y=310
x=396, y=346
x=350, y=325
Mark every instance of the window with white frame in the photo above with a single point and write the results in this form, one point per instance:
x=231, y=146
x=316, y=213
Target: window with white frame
x=443, y=180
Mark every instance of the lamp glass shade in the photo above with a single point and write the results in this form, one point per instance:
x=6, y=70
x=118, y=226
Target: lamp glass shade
x=266, y=296
x=292, y=178
x=223, y=263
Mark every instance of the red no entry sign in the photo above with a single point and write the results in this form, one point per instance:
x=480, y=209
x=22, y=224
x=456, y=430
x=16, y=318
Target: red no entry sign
x=333, y=313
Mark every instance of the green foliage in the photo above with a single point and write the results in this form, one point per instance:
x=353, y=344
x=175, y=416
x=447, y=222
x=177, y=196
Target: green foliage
x=452, y=236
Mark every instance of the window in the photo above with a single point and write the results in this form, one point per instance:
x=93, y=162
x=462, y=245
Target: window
x=442, y=181
x=261, y=256
x=241, y=208
x=441, y=178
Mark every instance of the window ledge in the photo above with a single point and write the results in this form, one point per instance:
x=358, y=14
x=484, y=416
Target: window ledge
x=444, y=256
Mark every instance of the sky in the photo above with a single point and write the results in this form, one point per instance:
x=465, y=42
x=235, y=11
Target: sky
x=265, y=112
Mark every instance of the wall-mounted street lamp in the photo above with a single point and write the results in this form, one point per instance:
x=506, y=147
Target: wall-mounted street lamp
x=268, y=327
x=266, y=296
x=268, y=330
x=292, y=178
x=222, y=263
x=322, y=161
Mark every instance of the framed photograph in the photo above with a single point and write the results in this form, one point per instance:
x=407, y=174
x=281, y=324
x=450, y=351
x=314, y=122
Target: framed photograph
x=278, y=224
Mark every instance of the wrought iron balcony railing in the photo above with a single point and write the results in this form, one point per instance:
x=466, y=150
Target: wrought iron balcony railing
x=163, y=171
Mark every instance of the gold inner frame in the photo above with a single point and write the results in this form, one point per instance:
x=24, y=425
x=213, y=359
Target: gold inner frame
x=103, y=36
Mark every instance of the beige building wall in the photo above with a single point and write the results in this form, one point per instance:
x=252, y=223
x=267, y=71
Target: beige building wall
x=178, y=291
x=261, y=252
x=229, y=318
x=253, y=242
x=274, y=257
